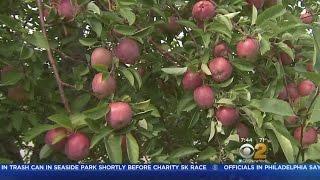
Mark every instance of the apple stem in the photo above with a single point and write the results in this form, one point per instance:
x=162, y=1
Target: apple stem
x=52, y=60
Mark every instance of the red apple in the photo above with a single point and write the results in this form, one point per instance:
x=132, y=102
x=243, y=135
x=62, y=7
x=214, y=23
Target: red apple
x=191, y=80
x=309, y=137
x=306, y=87
x=173, y=25
x=66, y=9
x=306, y=17
x=242, y=130
x=77, y=146
x=120, y=115
x=203, y=96
x=221, y=50
x=101, y=56
x=17, y=93
x=56, y=138
x=248, y=48
x=257, y=3
x=290, y=90
x=203, y=10
x=221, y=69
x=228, y=116
x=290, y=120
x=285, y=59
x=309, y=67
x=127, y=51
x=103, y=87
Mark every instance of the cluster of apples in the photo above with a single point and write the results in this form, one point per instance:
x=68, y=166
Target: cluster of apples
x=221, y=70
x=292, y=92
x=76, y=145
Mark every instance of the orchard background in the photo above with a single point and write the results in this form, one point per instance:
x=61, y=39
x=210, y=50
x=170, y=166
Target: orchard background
x=167, y=81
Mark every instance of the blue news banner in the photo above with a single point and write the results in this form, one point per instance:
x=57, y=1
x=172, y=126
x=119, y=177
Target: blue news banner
x=160, y=169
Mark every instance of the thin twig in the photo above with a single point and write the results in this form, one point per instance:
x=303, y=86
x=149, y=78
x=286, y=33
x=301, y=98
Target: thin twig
x=65, y=56
x=110, y=5
x=166, y=54
x=52, y=60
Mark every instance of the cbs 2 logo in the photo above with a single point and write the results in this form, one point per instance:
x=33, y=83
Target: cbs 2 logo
x=257, y=152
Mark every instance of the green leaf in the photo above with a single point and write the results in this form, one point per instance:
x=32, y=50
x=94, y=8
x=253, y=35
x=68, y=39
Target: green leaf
x=265, y=45
x=97, y=112
x=45, y=152
x=80, y=102
x=285, y=143
x=96, y=26
x=61, y=119
x=174, y=70
x=78, y=120
x=144, y=105
x=254, y=115
x=312, y=153
x=316, y=56
x=188, y=24
x=58, y=138
x=159, y=12
x=93, y=7
x=26, y=52
x=126, y=2
x=273, y=105
x=226, y=21
x=254, y=15
x=231, y=15
x=11, y=78
x=125, y=30
x=37, y=130
x=205, y=69
x=206, y=154
x=212, y=130
x=243, y=65
x=270, y=13
x=315, y=112
x=128, y=15
x=113, y=148
x=143, y=114
x=184, y=102
x=206, y=39
x=10, y=22
x=17, y=119
x=284, y=47
x=137, y=77
x=194, y=119
x=132, y=149
x=183, y=152
x=128, y=75
x=103, y=133
x=38, y=40
x=88, y=41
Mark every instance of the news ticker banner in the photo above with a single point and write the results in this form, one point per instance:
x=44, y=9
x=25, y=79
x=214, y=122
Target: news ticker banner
x=160, y=169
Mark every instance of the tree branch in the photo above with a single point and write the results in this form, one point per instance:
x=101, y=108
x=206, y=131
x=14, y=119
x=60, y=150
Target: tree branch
x=166, y=54
x=52, y=60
